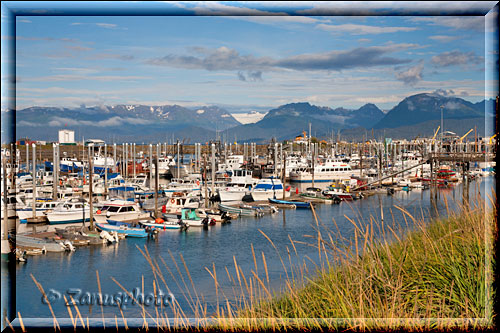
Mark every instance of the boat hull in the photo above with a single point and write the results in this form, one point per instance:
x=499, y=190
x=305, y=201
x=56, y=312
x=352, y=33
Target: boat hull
x=129, y=232
x=68, y=217
x=297, y=204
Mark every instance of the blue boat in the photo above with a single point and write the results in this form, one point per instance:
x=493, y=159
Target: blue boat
x=123, y=229
x=298, y=204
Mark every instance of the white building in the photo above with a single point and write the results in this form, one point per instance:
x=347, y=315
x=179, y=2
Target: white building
x=66, y=136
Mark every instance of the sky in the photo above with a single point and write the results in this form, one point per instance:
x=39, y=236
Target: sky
x=253, y=62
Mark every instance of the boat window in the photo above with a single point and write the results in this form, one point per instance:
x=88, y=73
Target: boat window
x=78, y=206
x=113, y=209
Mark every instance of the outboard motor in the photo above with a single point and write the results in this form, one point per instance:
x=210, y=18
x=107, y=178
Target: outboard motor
x=105, y=235
x=69, y=246
x=205, y=222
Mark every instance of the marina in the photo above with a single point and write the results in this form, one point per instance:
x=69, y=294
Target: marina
x=185, y=217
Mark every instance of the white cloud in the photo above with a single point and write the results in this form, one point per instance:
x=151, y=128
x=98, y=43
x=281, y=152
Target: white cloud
x=101, y=25
x=412, y=75
x=457, y=58
x=444, y=38
x=475, y=23
x=113, y=121
x=359, y=29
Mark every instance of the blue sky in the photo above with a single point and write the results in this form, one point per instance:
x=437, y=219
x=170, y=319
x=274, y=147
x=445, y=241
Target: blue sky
x=250, y=62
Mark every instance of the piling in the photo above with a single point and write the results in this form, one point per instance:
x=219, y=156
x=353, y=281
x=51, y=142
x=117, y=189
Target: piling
x=91, y=171
x=157, y=180
x=151, y=164
x=54, y=175
x=33, y=205
x=212, y=191
x=105, y=170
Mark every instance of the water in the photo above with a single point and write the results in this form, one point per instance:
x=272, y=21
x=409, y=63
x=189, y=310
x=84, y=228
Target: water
x=219, y=246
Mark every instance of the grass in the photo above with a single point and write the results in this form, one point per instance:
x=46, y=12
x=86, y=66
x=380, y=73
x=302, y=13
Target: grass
x=425, y=275
x=437, y=275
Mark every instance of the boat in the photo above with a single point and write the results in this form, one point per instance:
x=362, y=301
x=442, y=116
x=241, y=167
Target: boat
x=189, y=217
x=123, y=229
x=119, y=210
x=222, y=217
x=341, y=191
x=241, y=211
x=70, y=211
x=297, y=204
x=268, y=188
x=41, y=243
x=41, y=208
x=13, y=201
x=315, y=194
x=178, y=201
x=161, y=225
x=80, y=235
x=240, y=184
x=70, y=164
x=325, y=171
x=181, y=185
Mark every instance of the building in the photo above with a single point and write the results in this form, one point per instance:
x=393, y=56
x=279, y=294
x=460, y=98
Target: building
x=66, y=137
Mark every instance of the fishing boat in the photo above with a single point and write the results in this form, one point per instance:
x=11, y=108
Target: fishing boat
x=179, y=201
x=119, y=210
x=297, y=204
x=241, y=211
x=41, y=208
x=181, y=185
x=13, y=201
x=123, y=229
x=189, y=217
x=240, y=184
x=326, y=170
x=70, y=164
x=268, y=188
x=70, y=211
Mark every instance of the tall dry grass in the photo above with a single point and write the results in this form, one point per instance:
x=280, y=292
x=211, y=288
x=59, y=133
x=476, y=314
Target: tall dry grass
x=432, y=275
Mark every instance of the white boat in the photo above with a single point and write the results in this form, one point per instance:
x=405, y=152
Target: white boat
x=70, y=164
x=241, y=183
x=268, y=188
x=179, y=201
x=102, y=163
x=41, y=208
x=232, y=162
x=180, y=185
x=13, y=201
x=178, y=172
x=164, y=164
x=325, y=171
x=70, y=211
x=119, y=210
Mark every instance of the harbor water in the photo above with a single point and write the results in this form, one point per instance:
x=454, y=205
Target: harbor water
x=201, y=251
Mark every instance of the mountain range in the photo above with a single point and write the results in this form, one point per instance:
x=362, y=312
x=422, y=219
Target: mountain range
x=415, y=115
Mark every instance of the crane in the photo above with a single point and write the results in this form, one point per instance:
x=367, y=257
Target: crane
x=434, y=137
x=461, y=139
x=491, y=139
